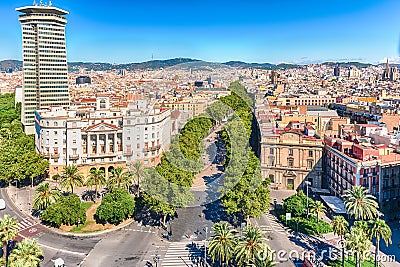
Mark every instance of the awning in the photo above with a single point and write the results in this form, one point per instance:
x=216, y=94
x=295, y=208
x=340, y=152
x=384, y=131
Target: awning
x=335, y=204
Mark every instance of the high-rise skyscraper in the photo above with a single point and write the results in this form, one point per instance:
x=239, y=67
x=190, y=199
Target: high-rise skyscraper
x=44, y=61
x=336, y=71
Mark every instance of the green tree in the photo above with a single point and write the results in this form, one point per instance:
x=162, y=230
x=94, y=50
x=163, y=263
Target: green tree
x=27, y=254
x=70, y=178
x=379, y=230
x=67, y=210
x=222, y=243
x=317, y=208
x=162, y=195
x=358, y=242
x=360, y=204
x=249, y=246
x=297, y=204
x=8, y=231
x=138, y=174
x=119, y=179
x=97, y=179
x=45, y=195
x=116, y=207
x=340, y=227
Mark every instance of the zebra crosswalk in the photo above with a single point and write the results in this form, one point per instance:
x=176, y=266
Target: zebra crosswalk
x=275, y=224
x=24, y=224
x=183, y=254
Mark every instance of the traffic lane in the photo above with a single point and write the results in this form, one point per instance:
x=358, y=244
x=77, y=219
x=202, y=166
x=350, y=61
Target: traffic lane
x=10, y=209
x=64, y=243
x=122, y=248
x=69, y=259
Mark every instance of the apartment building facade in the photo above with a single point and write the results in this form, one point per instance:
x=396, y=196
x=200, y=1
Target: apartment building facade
x=98, y=138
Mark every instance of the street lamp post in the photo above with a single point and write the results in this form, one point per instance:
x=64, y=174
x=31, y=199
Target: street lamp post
x=205, y=247
x=29, y=196
x=307, y=183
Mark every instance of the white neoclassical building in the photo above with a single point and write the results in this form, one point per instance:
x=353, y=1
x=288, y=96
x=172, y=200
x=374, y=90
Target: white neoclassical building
x=102, y=137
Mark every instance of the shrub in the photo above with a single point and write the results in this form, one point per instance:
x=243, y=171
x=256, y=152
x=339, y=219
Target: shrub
x=116, y=207
x=66, y=210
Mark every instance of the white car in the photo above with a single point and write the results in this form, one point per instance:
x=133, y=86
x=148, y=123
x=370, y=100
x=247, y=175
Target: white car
x=2, y=204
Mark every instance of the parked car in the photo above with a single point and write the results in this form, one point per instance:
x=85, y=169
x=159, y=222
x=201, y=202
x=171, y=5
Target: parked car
x=2, y=204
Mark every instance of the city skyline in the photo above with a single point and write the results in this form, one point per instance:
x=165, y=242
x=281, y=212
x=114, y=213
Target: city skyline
x=261, y=32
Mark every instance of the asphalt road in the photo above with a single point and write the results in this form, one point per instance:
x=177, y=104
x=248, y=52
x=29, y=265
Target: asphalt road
x=119, y=248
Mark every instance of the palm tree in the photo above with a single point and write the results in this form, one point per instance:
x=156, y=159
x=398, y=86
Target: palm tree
x=264, y=257
x=358, y=241
x=27, y=253
x=317, y=207
x=45, y=195
x=249, y=246
x=71, y=178
x=360, y=204
x=222, y=243
x=118, y=179
x=339, y=227
x=379, y=229
x=8, y=231
x=138, y=173
x=97, y=179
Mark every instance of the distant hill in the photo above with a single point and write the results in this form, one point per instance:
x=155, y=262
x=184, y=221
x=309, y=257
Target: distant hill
x=347, y=64
x=178, y=63
x=10, y=64
x=244, y=65
x=199, y=66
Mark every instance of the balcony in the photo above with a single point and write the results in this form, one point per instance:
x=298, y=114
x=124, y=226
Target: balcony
x=73, y=157
x=154, y=148
x=128, y=152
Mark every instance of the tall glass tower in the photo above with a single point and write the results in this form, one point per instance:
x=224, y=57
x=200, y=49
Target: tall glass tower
x=44, y=61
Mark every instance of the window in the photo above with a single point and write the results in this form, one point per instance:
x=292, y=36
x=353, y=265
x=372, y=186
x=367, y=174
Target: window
x=310, y=153
x=310, y=164
x=272, y=178
x=290, y=162
x=74, y=141
x=55, y=132
x=55, y=123
x=271, y=160
x=128, y=138
x=145, y=128
x=137, y=146
x=271, y=151
x=290, y=151
x=152, y=135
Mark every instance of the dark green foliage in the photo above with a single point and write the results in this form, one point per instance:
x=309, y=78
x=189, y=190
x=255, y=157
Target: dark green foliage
x=167, y=186
x=244, y=190
x=67, y=210
x=18, y=159
x=192, y=135
x=310, y=226
x=116, y=207
x=297, y=204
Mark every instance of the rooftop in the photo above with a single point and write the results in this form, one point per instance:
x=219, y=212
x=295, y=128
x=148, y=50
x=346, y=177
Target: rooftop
x=42, y=9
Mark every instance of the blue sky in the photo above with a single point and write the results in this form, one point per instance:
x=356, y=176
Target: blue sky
x=299, y=31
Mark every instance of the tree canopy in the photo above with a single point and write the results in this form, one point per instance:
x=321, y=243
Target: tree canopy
x=18, y=159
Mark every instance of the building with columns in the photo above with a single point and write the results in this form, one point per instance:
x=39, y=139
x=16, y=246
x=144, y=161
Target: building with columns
x=291, y=156
x=97, y=137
